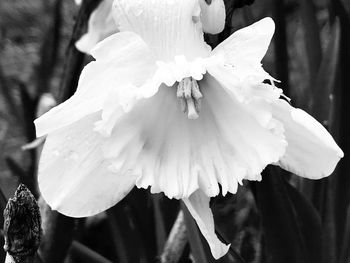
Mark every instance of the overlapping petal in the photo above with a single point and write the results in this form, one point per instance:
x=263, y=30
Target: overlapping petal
x=198, y=205
x=128, y=63
x=311, y=151
x=74, y=177
x=248, y=45
x=101, y=25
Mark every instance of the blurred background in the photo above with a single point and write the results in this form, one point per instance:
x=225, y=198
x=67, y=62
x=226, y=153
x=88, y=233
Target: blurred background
x=283, y=219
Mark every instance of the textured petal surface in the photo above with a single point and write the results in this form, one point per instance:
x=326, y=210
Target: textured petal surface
x=247, y=45
x=311, y=151
x=213, y=16
x=74, y=178
x=198, y=205
x=246, y=83
x=122, y=60
x=170, y=28
x=229, y=142
x=101, y=25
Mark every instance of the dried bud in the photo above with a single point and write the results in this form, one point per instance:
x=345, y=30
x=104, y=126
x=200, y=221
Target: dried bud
x=22, y=225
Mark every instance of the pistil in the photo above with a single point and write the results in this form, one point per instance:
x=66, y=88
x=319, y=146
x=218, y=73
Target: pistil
x=190, y=96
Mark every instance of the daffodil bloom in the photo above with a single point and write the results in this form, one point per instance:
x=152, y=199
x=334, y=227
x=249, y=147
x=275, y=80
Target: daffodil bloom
x=101, y=25
x=159, y=109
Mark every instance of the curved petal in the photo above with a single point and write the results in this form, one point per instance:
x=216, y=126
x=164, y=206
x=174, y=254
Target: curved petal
x=247, y=45
x=245, y=82
x=122, y=60
x=229, y=142
x=213, y=16
x=168, y=27
x=311, y=151
x=248, y=129
x=198, y=205
x=101, y=25
x=74, y=177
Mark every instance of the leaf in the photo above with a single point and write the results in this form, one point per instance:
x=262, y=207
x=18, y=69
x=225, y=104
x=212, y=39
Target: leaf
x=291, y=225
x=194, y=237
x=312, y=39
x=199, y=247
x=16, y=169
x=49, y=49
x=75, y=59
x=3, y=202
x=57, y=235
x=340, y=124
x=82, y=253
x=326, y=77
x=159, y=223
x=280, y=45
x=345, y=251
x=236, y=222
x=117, y=239
x=126, y=235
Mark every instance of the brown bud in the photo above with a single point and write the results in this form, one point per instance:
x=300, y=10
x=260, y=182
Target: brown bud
x=22, y=225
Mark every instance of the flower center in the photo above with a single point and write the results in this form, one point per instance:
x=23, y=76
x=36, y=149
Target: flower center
x=190, y=96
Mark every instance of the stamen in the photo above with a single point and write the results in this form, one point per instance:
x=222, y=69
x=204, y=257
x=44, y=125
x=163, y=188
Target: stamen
x=197, y=95
x=192, y=111
x=190, y=96
x=183, y=105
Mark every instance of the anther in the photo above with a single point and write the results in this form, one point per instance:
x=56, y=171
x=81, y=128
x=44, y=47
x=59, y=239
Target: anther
x=192, y=111
x=180, y=89
x=187, y=88
x=190, y=96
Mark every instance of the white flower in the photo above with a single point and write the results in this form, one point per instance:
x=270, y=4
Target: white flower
x=125, y=125
x=101, y=25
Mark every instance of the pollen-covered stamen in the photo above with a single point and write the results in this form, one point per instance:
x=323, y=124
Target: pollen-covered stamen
x=190, y=96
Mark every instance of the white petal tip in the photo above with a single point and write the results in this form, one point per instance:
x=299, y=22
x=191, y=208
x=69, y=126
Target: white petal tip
x=85, y=44
x=221, y=251
x=213, y=16
x=340, y=153
x=268, y=21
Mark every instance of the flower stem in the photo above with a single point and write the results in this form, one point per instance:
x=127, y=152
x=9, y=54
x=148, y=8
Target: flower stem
x=176, y=242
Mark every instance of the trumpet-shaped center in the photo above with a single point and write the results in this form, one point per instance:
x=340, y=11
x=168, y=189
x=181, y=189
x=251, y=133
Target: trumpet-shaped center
x=190, y=96
x=170, y=28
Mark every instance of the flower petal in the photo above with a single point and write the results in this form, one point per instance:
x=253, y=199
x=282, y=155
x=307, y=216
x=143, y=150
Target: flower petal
x=213, y=16
x=311, y=151
x=247, y=45
x=167, y=27
x=101, y=25
x=252, y=137
x=74, y=177
x=229, y=142
x=245, y=82
x=198, y=205
x=122, y=60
